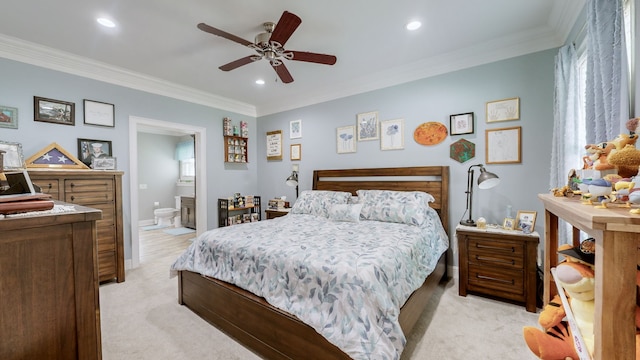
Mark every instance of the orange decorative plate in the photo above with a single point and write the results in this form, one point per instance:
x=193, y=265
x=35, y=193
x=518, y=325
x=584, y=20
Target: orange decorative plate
x=430, y=133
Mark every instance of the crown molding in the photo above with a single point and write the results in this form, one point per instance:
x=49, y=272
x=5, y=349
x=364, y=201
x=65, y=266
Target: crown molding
x=42, y=56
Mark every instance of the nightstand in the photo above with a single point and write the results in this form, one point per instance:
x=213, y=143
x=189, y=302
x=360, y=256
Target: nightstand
x=272, y=214
x=498, y=263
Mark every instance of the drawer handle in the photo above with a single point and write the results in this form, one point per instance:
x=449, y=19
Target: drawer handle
x=73, y=197
x=494, y=279
x=72, y=185
x=482, y=258
x=480, y=246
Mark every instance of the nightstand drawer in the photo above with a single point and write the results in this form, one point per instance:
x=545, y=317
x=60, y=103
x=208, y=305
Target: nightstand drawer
x=504, y=248
x=510, y=281
x=493, y=259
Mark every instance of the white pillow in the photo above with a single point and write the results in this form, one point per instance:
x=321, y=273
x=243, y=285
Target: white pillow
x=405, y=207
x=318, y=202
x=345, y=212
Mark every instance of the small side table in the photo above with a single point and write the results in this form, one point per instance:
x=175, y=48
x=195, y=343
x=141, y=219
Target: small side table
x=499, y=263
x=272, y=214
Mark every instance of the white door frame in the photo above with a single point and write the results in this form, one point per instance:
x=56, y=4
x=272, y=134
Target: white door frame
x=135, y=125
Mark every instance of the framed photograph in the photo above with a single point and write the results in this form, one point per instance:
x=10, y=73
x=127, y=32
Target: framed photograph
x=345, y=139
x=526, y=220
x=99, y=113
x=503, y=110
x=104, y=163
x=295, y=129
x=392, y=134
x=368, y=128
x=504, y=146
x=13, y=158
x=460, y=124
x=296, y=151
x=89, y=149
x=508, y=223
x=8, y=117
x=54, y=111
x=274, y=145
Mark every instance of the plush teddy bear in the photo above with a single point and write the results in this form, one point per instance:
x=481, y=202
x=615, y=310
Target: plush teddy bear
x=626, y=161
x=599, y=154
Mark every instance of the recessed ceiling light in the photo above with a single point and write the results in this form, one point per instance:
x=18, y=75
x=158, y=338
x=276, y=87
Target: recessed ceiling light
x=260, y=82
x=106, y=22
x=414, y=25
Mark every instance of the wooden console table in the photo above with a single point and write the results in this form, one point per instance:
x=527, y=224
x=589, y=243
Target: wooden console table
x=617, y=233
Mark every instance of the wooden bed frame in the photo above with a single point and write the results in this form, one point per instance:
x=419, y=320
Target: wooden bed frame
x=273, y=333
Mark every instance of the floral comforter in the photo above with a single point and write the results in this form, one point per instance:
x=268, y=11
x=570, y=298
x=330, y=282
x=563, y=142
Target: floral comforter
x=347, y=280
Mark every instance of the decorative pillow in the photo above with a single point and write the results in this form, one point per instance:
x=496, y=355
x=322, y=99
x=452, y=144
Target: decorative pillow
x=405, y=207
x=318, y=202
x=345, y=212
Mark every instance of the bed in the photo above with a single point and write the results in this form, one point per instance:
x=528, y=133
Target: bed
x=277, y=334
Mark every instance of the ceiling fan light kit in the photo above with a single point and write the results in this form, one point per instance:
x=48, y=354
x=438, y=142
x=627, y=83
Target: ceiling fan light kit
x=269, y=45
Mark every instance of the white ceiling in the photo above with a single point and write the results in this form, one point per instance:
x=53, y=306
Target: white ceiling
x=157, y=47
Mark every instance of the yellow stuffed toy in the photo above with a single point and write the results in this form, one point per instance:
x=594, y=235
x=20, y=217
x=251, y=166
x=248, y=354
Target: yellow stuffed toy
x=576, y=276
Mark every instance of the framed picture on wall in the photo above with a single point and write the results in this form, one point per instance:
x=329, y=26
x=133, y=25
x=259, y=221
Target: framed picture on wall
x=54, y=111
x=99, y=113
x=296, y=151
x=345, y=139
x=503, y=146
x=503, y=110
x=8, y=117
x=274, y=145
x=368, y=128
x=295, y=129
x=460, y=124
x=392, y=134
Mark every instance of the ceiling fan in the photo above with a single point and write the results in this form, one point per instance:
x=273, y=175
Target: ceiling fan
x=269, y=45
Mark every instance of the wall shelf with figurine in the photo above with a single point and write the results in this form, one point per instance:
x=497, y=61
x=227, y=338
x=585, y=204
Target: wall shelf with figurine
x=239, y=209
x=236, y=140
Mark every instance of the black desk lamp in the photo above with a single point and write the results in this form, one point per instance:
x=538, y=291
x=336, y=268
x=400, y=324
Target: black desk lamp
x=292, y=180
x=486, y=180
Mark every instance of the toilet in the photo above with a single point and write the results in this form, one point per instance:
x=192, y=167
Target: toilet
x=165, y=216
x=169, y=216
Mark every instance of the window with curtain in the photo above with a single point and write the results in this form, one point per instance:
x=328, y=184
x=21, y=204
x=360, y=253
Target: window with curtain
x=185, y=154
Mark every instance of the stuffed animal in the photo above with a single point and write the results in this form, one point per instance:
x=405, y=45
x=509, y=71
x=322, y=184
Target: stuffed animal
x=626, y=160
x=576, y=276
x=598, y=158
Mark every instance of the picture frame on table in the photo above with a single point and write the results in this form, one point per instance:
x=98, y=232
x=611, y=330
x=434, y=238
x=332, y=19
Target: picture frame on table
x=503, y=110
x=526, y=219
x=461, y=124
x=90, y=149
x=508, y=224
x=104, y=163
x=54, y=111
x=8, y=117
x=503, y=145
x=296, y=152
x=13, y=158
x=368, y=127
x=392, y=134
x=346, y=139
x=99, y=113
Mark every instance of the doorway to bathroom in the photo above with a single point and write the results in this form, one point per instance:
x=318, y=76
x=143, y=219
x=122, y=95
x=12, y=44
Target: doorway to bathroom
x=145, y=134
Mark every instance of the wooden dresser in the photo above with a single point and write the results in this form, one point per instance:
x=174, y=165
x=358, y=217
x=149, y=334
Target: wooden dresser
x=99, y=189
x=49, y=286
x=498, y=263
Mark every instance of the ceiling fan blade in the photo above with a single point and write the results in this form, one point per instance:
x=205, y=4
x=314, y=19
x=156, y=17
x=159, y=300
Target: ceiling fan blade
x=210, y=29
x=283, y=73
x=237, y=63
x=287, y=24
x=313, y=57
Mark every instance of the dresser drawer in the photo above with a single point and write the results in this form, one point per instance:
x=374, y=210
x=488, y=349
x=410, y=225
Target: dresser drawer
x=85, y=185
x=89, y=198
x=48, y=186
x=507, y=281
x=489, y=252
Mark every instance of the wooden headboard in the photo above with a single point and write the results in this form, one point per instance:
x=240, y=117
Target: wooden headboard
x=431, y=179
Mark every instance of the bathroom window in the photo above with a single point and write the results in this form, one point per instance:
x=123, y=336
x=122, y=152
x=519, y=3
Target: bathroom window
x=187, y=170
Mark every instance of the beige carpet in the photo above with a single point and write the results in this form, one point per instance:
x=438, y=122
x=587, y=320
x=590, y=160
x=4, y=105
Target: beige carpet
x=141, y=319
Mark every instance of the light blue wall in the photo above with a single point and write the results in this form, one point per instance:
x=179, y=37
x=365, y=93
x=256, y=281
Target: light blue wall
x=22, y=82
x=529, y=77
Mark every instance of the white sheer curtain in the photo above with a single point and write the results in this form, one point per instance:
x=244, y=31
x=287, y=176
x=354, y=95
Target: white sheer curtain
x=568, y=133
x=606, y=97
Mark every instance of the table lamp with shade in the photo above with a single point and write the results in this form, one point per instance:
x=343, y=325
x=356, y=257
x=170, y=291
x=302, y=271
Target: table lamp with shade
x=292, y=180
x=486, y=180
